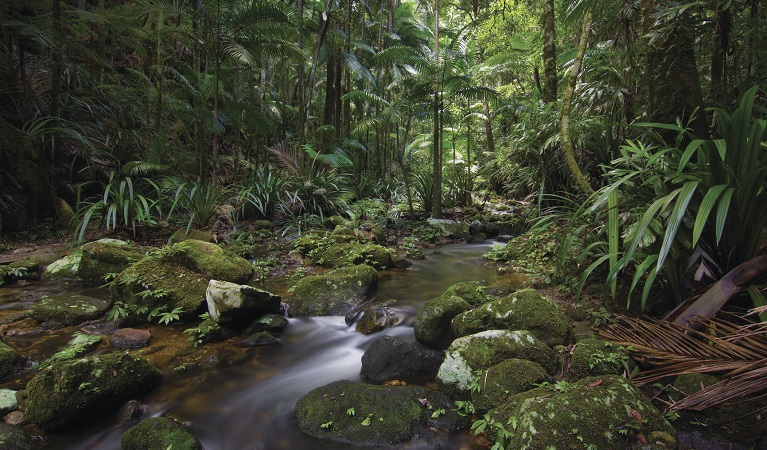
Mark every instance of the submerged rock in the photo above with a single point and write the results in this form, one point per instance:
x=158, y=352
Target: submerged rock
x=433, y=319
x=469, y=356
x=178, y=277
x=367, y=415
x=129, y=338
x=237, y=304
x=333, y=293
x=158, y=433
x=273, y=323
x=527, y=310
x=601, y=412
x=11, y=361
x=68, y=392
x=15, y=438
x=259, y=339
x=65, y=309
x=391, y=358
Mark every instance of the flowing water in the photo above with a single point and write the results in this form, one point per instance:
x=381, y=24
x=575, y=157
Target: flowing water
x=243, y=398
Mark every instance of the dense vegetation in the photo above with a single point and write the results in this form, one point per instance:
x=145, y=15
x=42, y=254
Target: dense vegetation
x=635, y=127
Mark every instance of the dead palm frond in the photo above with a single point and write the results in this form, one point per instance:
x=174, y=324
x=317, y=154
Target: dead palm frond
x=737, y=352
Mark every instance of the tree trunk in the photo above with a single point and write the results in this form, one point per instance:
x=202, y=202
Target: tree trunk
x=549, y=53
x=436, y=207
x=564, y=118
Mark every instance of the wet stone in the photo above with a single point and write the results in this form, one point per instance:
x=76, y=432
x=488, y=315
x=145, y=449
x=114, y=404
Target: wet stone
x=130, y=338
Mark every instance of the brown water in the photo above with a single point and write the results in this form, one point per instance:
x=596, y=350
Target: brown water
x=243, y=398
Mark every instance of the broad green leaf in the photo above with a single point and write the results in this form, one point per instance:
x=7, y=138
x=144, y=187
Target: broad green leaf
x=672, y=227
x=706, y=205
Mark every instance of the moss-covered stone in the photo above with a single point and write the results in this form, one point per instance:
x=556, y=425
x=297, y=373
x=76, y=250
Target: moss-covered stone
x=527, y=310
x=65, y=268
x=367, y=415
x=377, y=318
x=469, y=356
x=178, y=277
x=67, y=309
x=351, y=253
x=471, y=291
x=593, y=357
x=259, y=225
x=106, y=256
x=333, y=293
x=11, y=361
x=15, y=438
x=450, y=228
x=432, y=320
x=273, y=323
x=68, y=392
x=307, y=243
x=210, y=260
x=158, y=433
x=499, y=382
x=184, y=235
x=75, y=348
x=598, y=412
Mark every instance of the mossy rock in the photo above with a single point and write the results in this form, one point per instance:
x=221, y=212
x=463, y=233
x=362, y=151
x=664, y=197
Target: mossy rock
x=499, y=382
x=260, y=225
x=26, y=269
x=352, y=253
x=158, y=433
x=471, y=291
x=15, y=438
x=307, y=243
x=450, y=228
x=334, y=293
x=178, y=277
x=599, y=412
x=593, y=357
x=184, y=235
x=11, y=361
x=432, y=325
x=65, y=268
x=469, y=356
x=66, y=393
x=106, y=256
x=210, y=260
x=367, y=415
x=67, y=309
x=526, y=309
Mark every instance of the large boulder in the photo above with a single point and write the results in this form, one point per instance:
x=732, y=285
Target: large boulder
x=91, y=262
x=596, y=412
x=391, y=358
x=184, y=235
x=527, y=310
x=238, y=304
x=333, y=293
x=11, y=361
x=367, y=415
x=501, y=381
x=433, y=320
x=69, y=392
x=471, y=291
x=62, y=310
x=178, y=277
x=158, y=433
x=450, y=228
x=469, y=357
x=351, y=253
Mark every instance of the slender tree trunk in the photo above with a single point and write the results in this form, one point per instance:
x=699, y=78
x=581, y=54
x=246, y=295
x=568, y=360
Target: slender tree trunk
x=719, y=46
x=549, y=53
x=301, y=79
x=564, y=118
x=436, y=207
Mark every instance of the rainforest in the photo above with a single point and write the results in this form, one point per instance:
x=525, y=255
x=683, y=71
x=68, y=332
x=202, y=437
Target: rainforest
x=410, y=224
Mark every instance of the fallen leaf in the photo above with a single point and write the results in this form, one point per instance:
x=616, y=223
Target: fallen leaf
x=596, y=383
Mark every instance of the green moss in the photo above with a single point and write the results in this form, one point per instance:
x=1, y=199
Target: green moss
x=210, y=260
x=158, y=433
x=471, y=291
x=526, y=309
x=597, y=357
x=11, y=361
x=352, y=253
x=366, y=415
x=505, y=379
x=432, y=320
x=596, y=411
x=68, y=392
x=182, y=235
x=307, y=243
x=333, y=293
x=67, y=309
x=105, y=256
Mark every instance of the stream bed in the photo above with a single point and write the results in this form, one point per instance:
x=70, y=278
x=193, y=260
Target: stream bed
x=239, y=397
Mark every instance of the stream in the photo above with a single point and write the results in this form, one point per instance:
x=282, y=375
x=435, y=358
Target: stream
x=243, y=398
